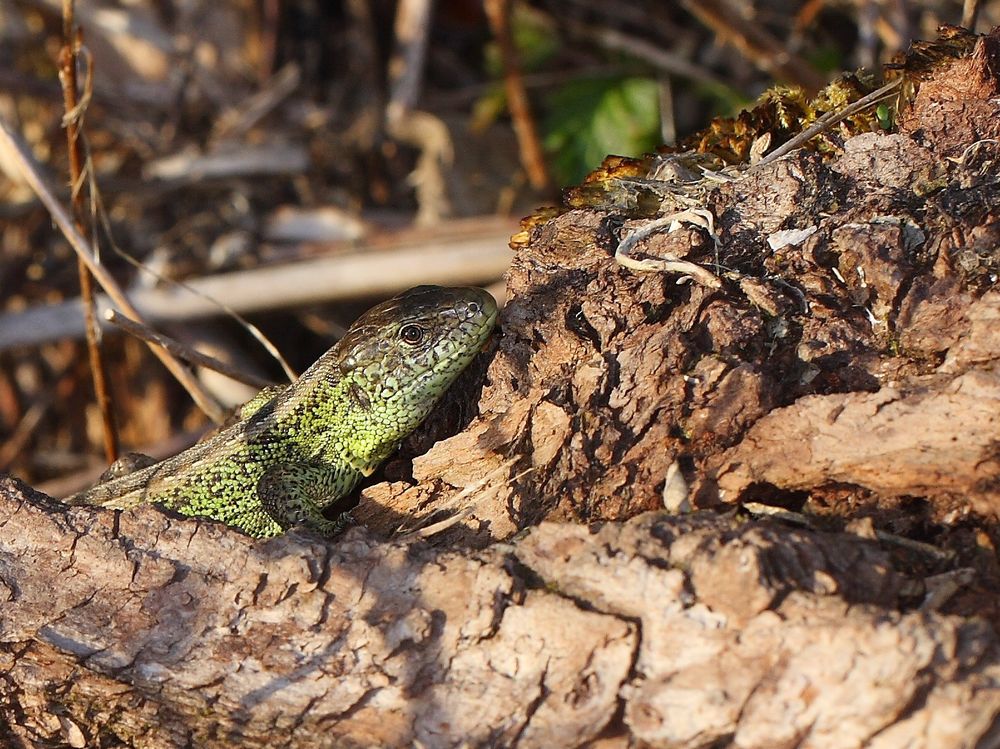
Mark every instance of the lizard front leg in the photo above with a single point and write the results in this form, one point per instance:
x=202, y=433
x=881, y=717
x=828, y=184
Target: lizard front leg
x=296, y=493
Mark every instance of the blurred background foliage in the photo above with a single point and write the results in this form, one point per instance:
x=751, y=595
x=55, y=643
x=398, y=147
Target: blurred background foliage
x=588, y=118
x=243, y=134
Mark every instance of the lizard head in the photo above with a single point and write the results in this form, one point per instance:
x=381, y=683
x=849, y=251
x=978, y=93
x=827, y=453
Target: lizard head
x=398, y=359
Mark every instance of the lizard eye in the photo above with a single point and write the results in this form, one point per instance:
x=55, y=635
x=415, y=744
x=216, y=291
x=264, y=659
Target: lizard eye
x=411, y=334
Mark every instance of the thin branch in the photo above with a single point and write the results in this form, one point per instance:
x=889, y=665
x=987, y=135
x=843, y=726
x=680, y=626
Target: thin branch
x=652, y=54
x=178, y=349
x=465, y=512
x=19, y=157
x=406, y=68
x=668, y=124
x=754, y=42
x=532, y=158
x=425, y=131
x=239, y=119
x=24, y=430
x=252, y=329
x=807, y=521
x=828, y=120
x=72, y=121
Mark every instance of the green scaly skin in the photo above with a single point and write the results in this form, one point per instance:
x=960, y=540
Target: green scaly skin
x=296, y=453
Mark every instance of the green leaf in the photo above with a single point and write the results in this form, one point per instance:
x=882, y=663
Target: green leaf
x=590, y=118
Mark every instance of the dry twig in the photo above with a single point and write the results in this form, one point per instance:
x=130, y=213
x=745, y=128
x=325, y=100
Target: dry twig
x=145, y=333
x=798, y=518
x=754, y=42
x=72, y=121
x=465, y=512
x=422, y=130
x=16, y=155
x=828, y=120
x=970, y=13
x=532, y=158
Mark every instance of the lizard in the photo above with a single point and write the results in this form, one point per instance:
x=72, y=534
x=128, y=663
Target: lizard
x=294, y=453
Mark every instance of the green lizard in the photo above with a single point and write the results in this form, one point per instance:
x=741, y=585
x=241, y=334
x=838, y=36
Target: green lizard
x=292, y=455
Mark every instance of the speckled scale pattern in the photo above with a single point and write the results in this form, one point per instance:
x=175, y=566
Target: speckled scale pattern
x=313, y=442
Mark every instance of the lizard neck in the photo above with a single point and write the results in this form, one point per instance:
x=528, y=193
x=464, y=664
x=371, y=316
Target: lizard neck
x=346, y=423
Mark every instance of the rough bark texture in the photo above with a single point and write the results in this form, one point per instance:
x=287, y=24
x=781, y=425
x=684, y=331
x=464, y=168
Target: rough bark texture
x=676, y=631
x=851, y=357
x=848, y=368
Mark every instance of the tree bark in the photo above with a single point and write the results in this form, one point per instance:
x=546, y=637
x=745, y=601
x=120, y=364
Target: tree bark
x=850, y=357
x=847, y=370
x=141, y=629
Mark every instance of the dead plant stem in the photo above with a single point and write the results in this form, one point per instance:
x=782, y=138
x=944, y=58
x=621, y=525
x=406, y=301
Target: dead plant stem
x=72, y=121
x=20, y=158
